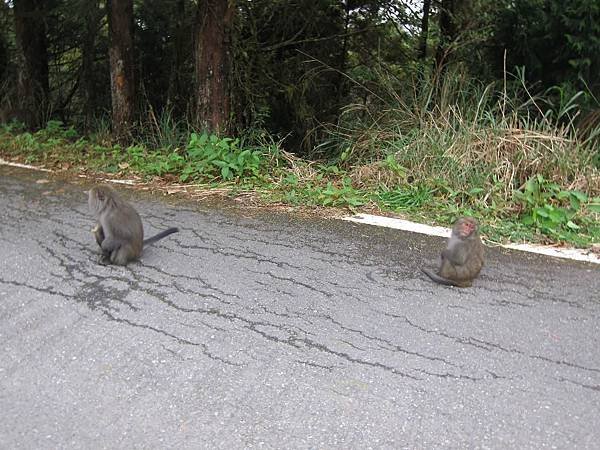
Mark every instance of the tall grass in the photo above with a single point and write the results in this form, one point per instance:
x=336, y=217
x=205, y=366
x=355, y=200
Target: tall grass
x=457, y=136
x=162, y=131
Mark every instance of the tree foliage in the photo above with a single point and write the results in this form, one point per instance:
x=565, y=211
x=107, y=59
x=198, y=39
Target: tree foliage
x=557, y=42
x=290, y=67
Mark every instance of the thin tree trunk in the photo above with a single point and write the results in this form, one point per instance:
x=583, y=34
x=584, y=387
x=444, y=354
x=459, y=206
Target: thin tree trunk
x=89, y=91
x=343, y=57
x=213, y=21
x=447, y=32
x=174, y=96
x=120, y=28
x=424, y=29
x=32, y=83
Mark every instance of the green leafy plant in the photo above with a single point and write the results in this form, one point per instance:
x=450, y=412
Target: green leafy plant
x=594, y=205
x=345, y=195
x=406, y=198
x=13, y=127
x=153, y=163
x=391, y=163
x=166, y=163
x=56, y=129
x=211, y=156
x=548, y=208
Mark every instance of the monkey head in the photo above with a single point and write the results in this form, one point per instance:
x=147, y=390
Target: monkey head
x=465, y=227
x=98, y=197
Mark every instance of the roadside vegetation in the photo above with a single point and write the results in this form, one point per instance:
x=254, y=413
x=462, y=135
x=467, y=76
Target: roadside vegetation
x=424, y=109
x=481, y=155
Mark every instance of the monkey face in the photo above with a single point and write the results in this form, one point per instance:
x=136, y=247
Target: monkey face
x=93, y=200
x=97, y=198
x=466, y=226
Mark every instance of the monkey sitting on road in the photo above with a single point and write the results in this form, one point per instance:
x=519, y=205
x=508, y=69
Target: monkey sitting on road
x=462, y=259
x=119, y=231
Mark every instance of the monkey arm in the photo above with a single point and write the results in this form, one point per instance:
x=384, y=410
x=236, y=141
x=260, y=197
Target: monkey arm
x=98, y=234
x=109, y=245
x=457, y=255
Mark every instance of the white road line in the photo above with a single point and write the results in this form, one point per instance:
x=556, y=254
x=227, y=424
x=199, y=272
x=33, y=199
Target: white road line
x=406, y=225
x=22, y=166
x=400, y=224
x=3, y=162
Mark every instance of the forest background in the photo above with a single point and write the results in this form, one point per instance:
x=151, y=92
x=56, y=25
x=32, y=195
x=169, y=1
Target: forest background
x=429, y=109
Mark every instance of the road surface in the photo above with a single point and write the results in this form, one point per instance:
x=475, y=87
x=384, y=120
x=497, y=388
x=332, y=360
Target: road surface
x=262, y=329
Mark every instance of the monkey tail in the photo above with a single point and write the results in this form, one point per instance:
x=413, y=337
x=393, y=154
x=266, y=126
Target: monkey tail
x=440, y=280
x=160, y=235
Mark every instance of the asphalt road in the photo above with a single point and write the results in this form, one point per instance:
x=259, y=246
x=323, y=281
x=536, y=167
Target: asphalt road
x=262, y=329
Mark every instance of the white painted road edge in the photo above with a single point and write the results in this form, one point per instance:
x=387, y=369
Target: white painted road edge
x=400, y=224
x=4, y=162
x=22, y=166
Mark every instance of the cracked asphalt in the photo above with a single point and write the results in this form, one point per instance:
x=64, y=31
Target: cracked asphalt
x=263, y=329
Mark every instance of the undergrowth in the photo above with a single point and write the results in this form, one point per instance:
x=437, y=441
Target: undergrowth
x=522, y=168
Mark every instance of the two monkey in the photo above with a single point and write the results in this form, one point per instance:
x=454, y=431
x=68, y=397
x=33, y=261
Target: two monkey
x=120, y=235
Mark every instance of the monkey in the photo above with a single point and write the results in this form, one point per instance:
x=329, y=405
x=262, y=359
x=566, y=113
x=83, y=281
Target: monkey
x=462, y=259
x=119, y=231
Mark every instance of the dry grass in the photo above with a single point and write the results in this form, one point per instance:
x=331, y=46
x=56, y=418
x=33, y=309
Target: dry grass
x=501, y=155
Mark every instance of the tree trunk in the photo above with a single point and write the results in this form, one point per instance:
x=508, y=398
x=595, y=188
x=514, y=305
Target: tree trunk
x=424, y=30
x=447, y=31
x=92, y=16
x=456, y=17
x=213, y=22
x=343, y=57
x=174, y=97
x=32, y=83
x=120, y=29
